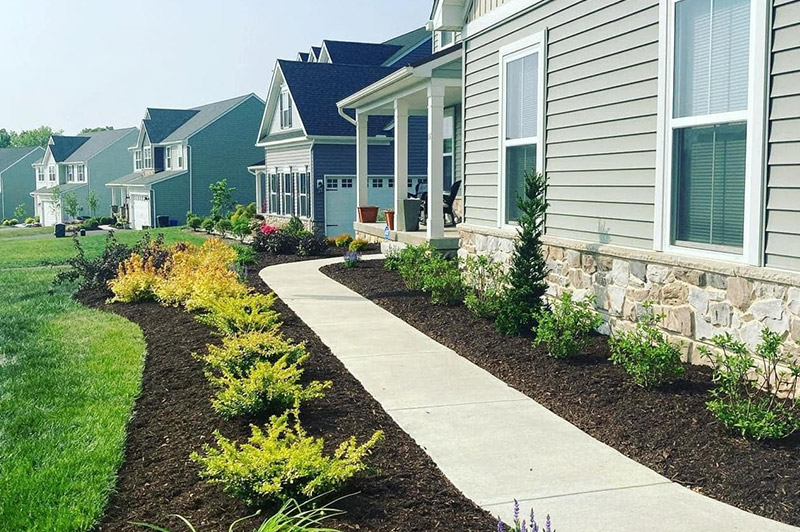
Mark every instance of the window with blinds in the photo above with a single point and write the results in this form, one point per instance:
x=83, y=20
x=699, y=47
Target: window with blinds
x=274, y=205
x=305, y=195
x=710, y=121
x=288, y=194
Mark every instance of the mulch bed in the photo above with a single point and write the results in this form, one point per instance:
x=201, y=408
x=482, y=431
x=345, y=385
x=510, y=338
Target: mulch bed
x=669, y=429
x=173, y=417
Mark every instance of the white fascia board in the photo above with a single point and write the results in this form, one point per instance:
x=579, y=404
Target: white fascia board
x=273, y=96
x=354, y=100
x=499, y=15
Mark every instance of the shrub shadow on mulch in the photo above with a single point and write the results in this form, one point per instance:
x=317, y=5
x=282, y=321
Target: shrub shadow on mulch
x=173, y=417
x=668, y=429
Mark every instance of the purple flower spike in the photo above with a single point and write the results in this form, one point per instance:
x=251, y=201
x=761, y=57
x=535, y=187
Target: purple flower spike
x=500, y=526
x=524, y=527
x=516, y=512
x=547, y=527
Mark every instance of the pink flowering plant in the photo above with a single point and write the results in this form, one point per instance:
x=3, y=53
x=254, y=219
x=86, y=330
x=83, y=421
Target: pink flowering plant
x=268, y=230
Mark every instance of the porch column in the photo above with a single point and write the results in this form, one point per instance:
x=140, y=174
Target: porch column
x=361, y=160
x=400, y=162
x=435, y=160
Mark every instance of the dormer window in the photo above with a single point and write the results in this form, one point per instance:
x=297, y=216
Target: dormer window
x=70, y=174
x=179, y=150
x=51, y=172
x=168, y=157
x=137, y=160
x=448, y=38
x=148, y=158
x=286, y=110
x=40, y=173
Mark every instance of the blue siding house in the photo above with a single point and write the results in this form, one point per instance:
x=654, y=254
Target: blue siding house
x=180, y=152
x=309, y=158
x=16, y=180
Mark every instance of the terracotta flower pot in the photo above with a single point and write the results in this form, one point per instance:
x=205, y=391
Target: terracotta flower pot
x=389, y=219
x=368, y=214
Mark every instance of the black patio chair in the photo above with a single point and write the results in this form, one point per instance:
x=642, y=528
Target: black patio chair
x=449, y=199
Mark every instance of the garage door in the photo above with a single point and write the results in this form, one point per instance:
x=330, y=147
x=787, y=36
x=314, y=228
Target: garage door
x=140, y=211
x=340, y=201
x=48, y=214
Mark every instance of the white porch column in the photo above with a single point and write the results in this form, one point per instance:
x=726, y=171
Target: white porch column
x=435, y=160
x=400, y=162
x=361, y=159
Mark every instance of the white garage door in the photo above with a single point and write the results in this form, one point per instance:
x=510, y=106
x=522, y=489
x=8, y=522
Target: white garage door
x=48, y=214
x=140, y=211
x=340, y=201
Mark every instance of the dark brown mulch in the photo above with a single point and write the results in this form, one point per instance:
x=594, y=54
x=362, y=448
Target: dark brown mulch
x=669, y=429
x=173, y=417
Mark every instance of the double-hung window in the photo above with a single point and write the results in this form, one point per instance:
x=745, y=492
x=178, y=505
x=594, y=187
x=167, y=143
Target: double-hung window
x=70, y=174
x=286, y=110
x=522, y=110
x=274, y=204
x=179, y=152
x=288, y=194
x=304, y=184
x=137, y=160
x=40, y=173
x=168, y=157
x=81, y=173
x=711, y=123
x=148, y=158
x=449, y=143
x=51, y=172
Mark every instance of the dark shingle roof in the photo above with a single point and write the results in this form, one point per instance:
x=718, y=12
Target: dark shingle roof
x=162, y=122
x=316, y=87
x=316, y=50
x=167, y=125
x=62, y=146
x=303, y=56
x=139, y=179
x=359, y=53
x=9, y=156
x=415, y=54
x=97, y=142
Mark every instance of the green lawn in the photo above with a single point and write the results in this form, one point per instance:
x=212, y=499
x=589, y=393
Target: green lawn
x=16, y=253
x=69, y=376
x=19, y=232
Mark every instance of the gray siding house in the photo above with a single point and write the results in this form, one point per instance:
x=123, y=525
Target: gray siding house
x=180, y=152
x=80, y=165
x=16, y=180
x=670, y=133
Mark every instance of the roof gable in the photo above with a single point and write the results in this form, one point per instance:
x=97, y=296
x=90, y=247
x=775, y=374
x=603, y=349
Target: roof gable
x=9, y=156
x=161, y=122
x=98, y=142
x=62, y=146
x=359, y=53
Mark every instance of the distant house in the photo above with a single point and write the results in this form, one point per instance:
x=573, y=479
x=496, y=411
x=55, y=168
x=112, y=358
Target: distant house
x=80, y=165
x=309, y=158
x=180, y=152
x=16, y=180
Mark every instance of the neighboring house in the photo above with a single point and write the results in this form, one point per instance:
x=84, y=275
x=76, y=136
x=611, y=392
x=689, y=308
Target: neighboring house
x=80, y=165
x=180, y=153
x=670, y=134
x=16, y=179
x=309, y=165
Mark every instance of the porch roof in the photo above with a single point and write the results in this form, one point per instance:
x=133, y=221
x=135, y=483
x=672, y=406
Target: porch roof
x=445, y=67
x=138, y=179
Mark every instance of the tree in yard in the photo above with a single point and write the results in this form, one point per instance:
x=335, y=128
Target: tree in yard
x=71, y=204
x=93, y=201
x=6, y=138
x=527, y=284
x=20, y=213
x=96, y=129
x=221, y=199
x=33, y=137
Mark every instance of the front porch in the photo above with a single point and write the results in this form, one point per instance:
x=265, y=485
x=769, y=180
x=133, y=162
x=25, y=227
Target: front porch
x=426, y=88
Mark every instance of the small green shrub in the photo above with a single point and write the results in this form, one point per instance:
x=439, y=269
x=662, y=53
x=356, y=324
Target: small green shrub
x=485, y=280
x=311, y=245
x=207, y=225
x=343, y=240
x=294, y=226
x=30, y=221
x=90, y=224
x=351, y=259
x=245, y=256
x=281, y=462
x=238, y=354
x=193, y=221
x=223, y=226
x=358, y=245
x=235, y=315
x=566, y=329
x=410, y=263
x=107, y=220
x=646, y=353
x=392, y=261
x=442, y=279
x=745, y=397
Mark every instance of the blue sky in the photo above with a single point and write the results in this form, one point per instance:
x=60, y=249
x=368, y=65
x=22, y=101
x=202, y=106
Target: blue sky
x=87, y=63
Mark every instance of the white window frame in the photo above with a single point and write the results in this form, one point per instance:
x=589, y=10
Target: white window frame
x=448, y=44
x=286, y=117
x=40, y=174
x=70, y=173
x=274, y=207
x=511, y=52
x=81, y=173
x=148, y=157
x=168, y=157
x=755, y=116
x=179, y=151
x=137, y=160
x=304, y=198
x=287, y=194
x=51, y=173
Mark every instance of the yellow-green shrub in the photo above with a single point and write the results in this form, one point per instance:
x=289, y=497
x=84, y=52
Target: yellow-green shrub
x=137, y=280
x=281, y=463
x=236, y=315
x=238, y=354
x=267, y=388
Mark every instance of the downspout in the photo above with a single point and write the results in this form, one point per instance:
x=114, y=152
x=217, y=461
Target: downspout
x=189, y=162
x=347, y=116
x=3, y=198
x=152, y=208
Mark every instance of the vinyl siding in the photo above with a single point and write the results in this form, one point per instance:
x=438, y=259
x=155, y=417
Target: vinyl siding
x=172, y=198
x=482, y=7
x=601, y=68
x=287, y=157
x=111, y=163
x=18, y=180
x=783, y=185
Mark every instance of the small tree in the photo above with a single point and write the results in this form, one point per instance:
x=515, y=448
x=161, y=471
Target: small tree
x=20, y=213
x=71, y=204
x=527, y=277
x=221, y=199
x=93, y=202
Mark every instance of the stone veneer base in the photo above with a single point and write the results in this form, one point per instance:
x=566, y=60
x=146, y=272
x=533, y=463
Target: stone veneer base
x=700, y=298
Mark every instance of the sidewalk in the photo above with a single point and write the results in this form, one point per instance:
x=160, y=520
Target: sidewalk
x=492, y=442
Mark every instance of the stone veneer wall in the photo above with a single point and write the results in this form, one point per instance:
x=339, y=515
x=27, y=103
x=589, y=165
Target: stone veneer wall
x=280, y=221
x=699, y=298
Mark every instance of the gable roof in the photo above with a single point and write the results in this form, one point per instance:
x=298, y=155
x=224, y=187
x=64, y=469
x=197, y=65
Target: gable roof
x=9, y=156
x=302, y=56
x=62, y=146
x=316, y=87
x=168, y=125
x=315, y=51
x=96, y=143
x=359, y=53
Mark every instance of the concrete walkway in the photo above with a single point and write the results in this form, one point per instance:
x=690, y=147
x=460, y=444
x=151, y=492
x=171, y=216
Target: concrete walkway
x=492, y=442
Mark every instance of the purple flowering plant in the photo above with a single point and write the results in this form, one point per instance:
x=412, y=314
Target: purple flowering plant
x=351, y=259
x=522, y=525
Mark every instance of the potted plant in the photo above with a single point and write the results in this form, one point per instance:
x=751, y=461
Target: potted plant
x=368, y=214
x=390, y=218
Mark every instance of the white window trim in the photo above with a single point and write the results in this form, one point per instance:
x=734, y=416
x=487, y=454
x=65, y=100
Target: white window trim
x=138, y=160
x=274, y=208
x=179, y=152
x=147, y=155
x=304, y=197
x=81, y=173
x=168, y=157
x=756, y=115
x=534, y=43
x=286, y=124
